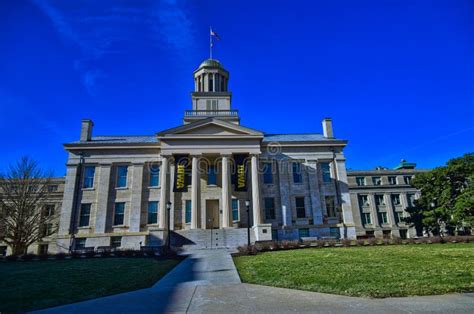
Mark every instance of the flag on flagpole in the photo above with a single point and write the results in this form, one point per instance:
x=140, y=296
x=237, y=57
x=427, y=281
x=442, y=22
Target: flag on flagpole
x=215, y=35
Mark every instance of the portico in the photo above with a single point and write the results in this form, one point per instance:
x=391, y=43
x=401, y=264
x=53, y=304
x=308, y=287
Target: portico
x=210, y=146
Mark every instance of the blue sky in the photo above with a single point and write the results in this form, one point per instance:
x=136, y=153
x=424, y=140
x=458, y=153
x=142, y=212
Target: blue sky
x=395, y=76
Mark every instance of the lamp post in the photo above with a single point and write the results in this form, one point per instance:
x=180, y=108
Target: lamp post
x=168, y=209
x=247, y=204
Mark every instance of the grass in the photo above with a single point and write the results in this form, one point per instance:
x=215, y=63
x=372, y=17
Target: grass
x=379, y=271
x=26, y=286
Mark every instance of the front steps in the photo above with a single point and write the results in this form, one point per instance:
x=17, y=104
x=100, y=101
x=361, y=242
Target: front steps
x=230, y=238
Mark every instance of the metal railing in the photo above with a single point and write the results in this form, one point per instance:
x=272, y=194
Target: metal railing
x=200, y=113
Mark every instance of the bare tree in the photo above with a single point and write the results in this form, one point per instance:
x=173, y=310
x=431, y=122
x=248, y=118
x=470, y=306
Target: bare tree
x=24, y=219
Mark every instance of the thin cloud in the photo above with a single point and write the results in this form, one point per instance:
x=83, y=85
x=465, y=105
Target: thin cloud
x=103, y=30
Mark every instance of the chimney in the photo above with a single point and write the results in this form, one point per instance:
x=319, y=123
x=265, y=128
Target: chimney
x=327, y=128
x=86, y=130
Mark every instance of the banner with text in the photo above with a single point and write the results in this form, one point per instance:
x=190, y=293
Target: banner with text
x=182, y=176
x=239, y=177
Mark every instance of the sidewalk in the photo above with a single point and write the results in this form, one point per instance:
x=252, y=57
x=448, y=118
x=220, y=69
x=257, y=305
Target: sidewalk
x=207, y=281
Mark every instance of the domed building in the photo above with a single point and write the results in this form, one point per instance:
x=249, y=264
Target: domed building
x=209, y=181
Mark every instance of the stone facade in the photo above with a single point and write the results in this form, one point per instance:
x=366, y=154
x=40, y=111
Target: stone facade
x=379, y=199
x=121, y=191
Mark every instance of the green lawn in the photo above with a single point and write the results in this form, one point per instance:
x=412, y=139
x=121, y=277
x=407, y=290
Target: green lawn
x=38, y=284
x=379, y=271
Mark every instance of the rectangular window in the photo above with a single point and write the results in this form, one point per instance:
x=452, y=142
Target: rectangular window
x=399, y=217
x=152, y=213
x=297, y=178
x=84, y=215
x=52, y=188
x=119, y=214
x=115, y=242
x=395, y=199
x=154, y=176
x=367, y=219
x=379, y=200
x=330, y=206
x=300, y=208
x=269, y=203
x=383, y=218
x=235, y=209
x=360, y=181
x=335, y=233
x=268, y=173
x=80, y=243
x=377, y=180
x=407, y=179
x=403, y=233
x=188, y=211
x=326, y=171
x=42, y=249
x=122, y=172
x=363, y=200
x=392, y=180
x=89, y=172
x=303, y=232
x=48, y=210
x=411, y=199
x=211, y=175
x=47, y=229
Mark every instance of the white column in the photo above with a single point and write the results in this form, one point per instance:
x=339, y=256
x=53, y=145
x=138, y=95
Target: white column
x=226, y=196
x=257, y=215
x=164, y=187
x=136, y=199
x=102, y=198
x=195, y=192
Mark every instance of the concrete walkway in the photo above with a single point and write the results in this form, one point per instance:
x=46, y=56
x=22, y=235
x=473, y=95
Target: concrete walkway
x=207, y=281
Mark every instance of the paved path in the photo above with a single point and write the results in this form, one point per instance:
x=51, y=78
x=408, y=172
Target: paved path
x=207, y=281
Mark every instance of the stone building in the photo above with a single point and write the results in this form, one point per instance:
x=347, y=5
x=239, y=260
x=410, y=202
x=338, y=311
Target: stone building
x=379, y=199
x=50, y=206
x=123, y=190
x=210, y=178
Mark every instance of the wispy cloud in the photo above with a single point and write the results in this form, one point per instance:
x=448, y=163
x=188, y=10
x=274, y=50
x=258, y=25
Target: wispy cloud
x=100, y=31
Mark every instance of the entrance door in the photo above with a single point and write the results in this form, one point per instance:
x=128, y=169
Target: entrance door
x=212, y=214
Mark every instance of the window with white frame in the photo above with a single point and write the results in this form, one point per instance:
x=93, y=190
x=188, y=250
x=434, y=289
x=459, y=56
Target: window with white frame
x=300, y=207
x=367, y=218
x=152, y=212
x=235, y=209
x=122, y=172
x=89, y=172
x=269, y=203
x=377, y=180
x=379, y=200
x=360, y=181
x=392, y=180
x=119, y=214
x=326, y=171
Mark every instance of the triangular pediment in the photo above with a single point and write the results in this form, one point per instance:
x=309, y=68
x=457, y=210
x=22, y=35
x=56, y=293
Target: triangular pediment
x=209, y=127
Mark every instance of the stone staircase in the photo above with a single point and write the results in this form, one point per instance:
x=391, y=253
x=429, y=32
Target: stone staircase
x=230, y=238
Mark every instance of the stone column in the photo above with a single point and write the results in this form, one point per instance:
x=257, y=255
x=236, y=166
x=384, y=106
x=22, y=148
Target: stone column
x=390, y=210
x=257, y=215
x=172, y=200
x=195, y=180
x=315, y=193
x=285, y=192
x=136, y=199
x=164, y=187
x=103, y=187
x=67, y=208
x=226, y=196
x=373, y=210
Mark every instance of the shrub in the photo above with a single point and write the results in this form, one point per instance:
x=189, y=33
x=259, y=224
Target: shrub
x=60, y=256
x=28, y=257
x=89, y=254
x=44, y=257
x=11, y=258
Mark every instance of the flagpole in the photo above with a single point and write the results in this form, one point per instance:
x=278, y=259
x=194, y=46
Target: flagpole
x=210, y=43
